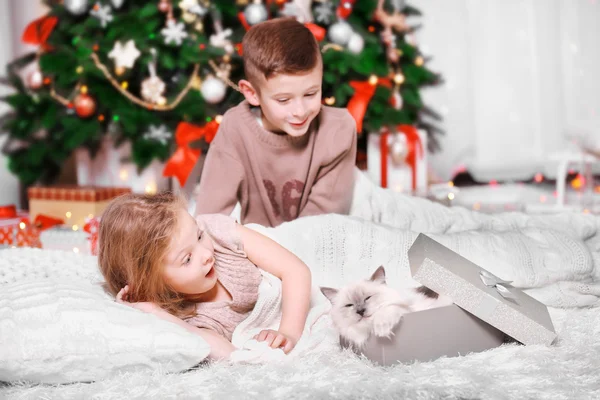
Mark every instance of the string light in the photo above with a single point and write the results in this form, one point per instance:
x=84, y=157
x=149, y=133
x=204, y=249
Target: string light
x=75, y=228
x=79, y=70
x=68, y=214
x=451, y=196
x=399, y=79
x=373, y=80
x=218, y=119
x=22, y=225
x=539, y=178
x=330, y=101
x=419, y=61
x=84, y=89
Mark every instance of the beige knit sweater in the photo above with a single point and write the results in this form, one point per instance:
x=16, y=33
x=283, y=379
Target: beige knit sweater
x=235, y=271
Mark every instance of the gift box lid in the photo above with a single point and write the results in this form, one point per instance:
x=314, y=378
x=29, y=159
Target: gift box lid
x=479, y=292
x=75, y=193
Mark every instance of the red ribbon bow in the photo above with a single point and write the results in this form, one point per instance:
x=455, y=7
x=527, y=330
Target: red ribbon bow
x=183, y=160
x=38, y=31
x=363, y=92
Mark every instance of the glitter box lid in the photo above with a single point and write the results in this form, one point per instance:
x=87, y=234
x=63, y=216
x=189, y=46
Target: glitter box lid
x=480, y=293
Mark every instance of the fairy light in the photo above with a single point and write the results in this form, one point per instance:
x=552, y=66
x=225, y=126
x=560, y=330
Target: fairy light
x=123, y=174
x=75, y=250
x=218, y=119
x=373, y=80
x=330, y=101
x=125, y=85
x=399, y=79
x=476, y=206
x=450, y=196
x=22, y=225
x=84, y=89
x=119, y=71
x=450, y=184
x=75, y=228
x=79, y=70
x=539, y=178
x=150, y=188
x=419, y=61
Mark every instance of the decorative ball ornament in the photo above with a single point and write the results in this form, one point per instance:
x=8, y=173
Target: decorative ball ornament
x=398, y=149
x=255, y=13
x=356, y=43
x=164, y=6
x=85, y=105
x=35, y=79
x=213, y=90
x=340, y=32
x=76, y=7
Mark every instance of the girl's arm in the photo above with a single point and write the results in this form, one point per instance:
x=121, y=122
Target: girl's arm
x=220, y=348
x=296, y=285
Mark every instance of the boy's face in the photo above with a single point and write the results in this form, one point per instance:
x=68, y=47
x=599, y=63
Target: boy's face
x=289, y=103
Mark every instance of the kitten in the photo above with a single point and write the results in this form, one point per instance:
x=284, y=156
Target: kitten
x=371, y=307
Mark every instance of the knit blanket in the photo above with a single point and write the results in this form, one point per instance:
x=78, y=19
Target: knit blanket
x=554, y=258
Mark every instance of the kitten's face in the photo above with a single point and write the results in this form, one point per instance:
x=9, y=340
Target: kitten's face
x=353, y=307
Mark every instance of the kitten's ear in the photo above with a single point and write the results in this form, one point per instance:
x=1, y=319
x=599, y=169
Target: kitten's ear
x=379, y=275
x=330, y=293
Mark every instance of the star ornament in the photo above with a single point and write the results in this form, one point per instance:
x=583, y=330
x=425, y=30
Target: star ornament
x=124, y=56
x=174, y=32
x=103, y=13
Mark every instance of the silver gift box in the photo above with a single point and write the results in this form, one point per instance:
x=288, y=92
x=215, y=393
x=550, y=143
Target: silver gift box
x=487, y=312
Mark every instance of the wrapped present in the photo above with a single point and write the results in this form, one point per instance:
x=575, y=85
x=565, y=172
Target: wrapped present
x=73, y=203
x=486, y=313
x=480, y=293
x=398, y=160
x=15, y=228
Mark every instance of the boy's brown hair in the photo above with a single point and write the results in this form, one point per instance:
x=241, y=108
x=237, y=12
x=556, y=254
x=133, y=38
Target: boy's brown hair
x=279, y=46
x=133, y=242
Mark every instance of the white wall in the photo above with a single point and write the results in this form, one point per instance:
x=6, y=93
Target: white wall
x=519, y=74
x=14, y=17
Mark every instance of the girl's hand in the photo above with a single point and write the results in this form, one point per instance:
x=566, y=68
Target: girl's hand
x=276, y=339
x=146, y=306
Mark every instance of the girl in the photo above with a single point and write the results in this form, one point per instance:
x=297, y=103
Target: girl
x=198, y=273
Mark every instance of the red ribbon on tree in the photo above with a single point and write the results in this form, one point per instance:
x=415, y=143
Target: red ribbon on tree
x=317, y=31
x=363, y=92
x=183, y=160
x=415, y=150
x=38, y=31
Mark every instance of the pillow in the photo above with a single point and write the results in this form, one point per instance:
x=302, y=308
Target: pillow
x=67, y=329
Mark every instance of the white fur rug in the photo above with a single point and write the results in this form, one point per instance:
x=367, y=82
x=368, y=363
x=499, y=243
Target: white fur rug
x=568, y=370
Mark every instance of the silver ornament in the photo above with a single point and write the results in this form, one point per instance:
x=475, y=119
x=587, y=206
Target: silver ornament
x=340, y=32
x=356, y=43
x=213, y=90
x=255, y=13
x=117, y=3
x=398, y=149
x=76, y=7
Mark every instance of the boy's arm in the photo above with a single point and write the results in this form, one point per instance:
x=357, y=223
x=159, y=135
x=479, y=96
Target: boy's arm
x=333, y=188
x=220, y=183
x=295, y=278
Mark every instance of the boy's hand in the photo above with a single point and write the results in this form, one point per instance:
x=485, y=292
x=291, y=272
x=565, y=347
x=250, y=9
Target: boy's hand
x=146, y=306
x=276, y=339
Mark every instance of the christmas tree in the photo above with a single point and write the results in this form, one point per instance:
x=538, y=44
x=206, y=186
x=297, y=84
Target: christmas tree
x=160, y=74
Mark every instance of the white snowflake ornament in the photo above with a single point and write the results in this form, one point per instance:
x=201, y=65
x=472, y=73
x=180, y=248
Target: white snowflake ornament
x=174, y=32
x=103, y=13
x=158, y=133
x=124, y=56
x=324, y=13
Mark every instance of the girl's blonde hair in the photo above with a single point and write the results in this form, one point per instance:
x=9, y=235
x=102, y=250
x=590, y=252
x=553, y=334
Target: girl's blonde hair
x=133, y=242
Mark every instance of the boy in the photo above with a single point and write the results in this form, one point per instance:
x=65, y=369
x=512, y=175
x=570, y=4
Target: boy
x=280, y=153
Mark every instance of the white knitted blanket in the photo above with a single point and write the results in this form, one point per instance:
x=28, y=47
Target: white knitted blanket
x=555, y=258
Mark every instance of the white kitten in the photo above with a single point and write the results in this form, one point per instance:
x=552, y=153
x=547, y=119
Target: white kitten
x=371, y=307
